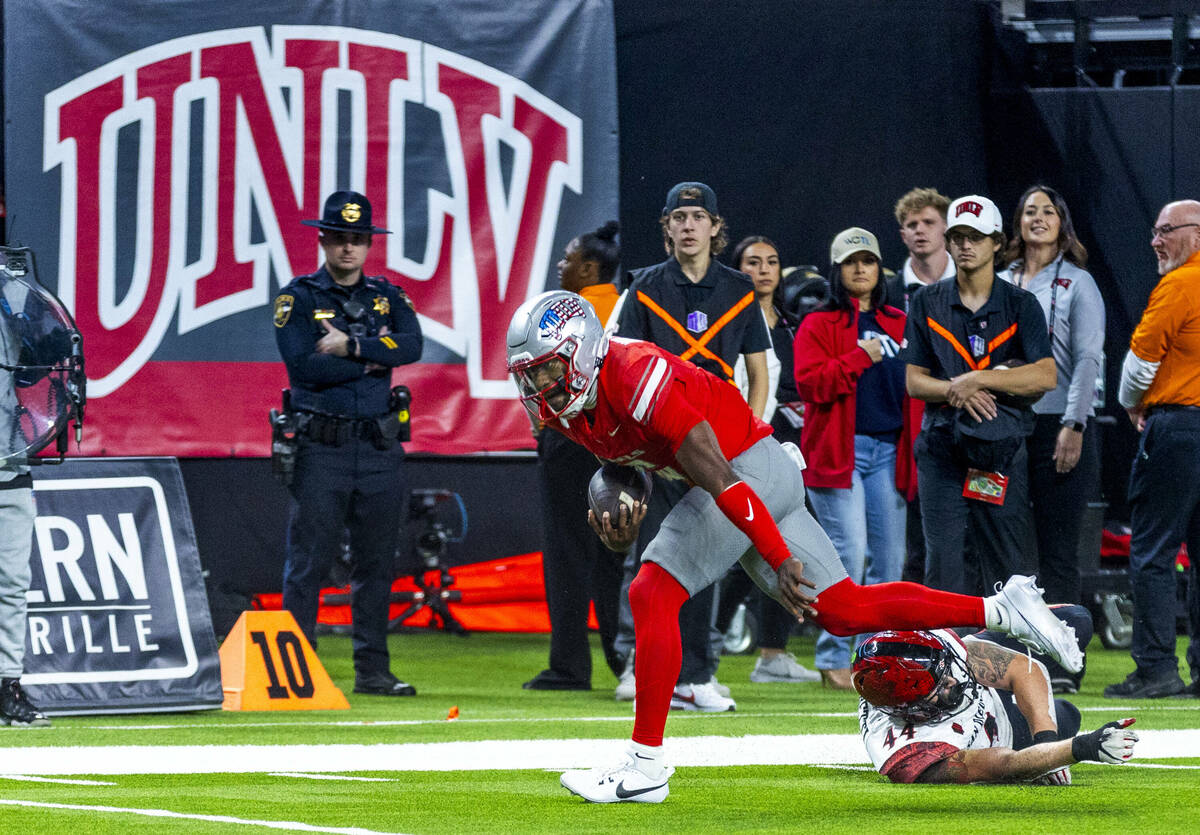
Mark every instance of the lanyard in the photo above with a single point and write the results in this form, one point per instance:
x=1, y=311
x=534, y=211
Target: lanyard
x=1053, y=291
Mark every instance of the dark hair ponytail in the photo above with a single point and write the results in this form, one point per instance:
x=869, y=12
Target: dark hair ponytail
x=601, y=246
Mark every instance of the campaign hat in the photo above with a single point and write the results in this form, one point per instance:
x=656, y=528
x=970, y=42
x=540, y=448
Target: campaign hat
x=346, y=211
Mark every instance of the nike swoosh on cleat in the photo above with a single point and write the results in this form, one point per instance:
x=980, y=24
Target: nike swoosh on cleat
x=624, y=793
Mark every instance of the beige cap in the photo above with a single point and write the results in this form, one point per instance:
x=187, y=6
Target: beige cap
x=852, y=240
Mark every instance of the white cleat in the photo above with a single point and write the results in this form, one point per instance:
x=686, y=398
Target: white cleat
x=718, y=686
x=626, y=686
x=1021, y=612
x=621, y=783
x=701, y=697
x=782, y=667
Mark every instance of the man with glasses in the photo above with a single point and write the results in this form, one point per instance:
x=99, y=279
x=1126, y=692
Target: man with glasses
x=1160, y=389
x=978, y=355
x=340, y=334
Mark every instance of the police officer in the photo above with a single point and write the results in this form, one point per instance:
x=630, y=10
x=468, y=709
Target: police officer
x=340, y=333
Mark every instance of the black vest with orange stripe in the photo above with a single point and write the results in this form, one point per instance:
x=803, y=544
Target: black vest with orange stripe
x=709, y=322
x=949, y=339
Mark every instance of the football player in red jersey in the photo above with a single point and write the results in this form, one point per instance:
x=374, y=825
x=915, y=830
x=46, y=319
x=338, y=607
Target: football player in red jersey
x=634, y=403
x=940, y=709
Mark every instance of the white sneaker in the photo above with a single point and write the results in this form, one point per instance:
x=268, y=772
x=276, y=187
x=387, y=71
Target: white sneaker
x=719, y=687
x=1021, y=612
x=621, y=783
x=782, y=667
x=702, y=697
x=626, y=685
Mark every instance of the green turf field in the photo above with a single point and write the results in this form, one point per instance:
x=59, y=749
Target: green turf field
x=481, y=676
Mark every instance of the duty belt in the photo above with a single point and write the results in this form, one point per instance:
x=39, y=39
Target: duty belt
x=335, y=430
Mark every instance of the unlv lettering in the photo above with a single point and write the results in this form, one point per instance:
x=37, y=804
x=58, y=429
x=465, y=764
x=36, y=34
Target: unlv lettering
x=969, y=206
x=266, y=118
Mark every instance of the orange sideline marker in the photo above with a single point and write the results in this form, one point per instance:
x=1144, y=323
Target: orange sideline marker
x=268, y=664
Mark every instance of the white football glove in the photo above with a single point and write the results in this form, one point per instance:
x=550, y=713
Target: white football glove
x=1112, y=743
x=1061, y=777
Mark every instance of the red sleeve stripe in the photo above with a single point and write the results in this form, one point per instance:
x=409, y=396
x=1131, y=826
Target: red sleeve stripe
x=646, y=395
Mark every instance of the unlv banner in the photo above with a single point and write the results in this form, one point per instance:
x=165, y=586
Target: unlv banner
x=118, y=616
x=160, y=158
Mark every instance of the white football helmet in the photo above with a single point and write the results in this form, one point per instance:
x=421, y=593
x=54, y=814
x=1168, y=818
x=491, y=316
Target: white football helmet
x=556, y=346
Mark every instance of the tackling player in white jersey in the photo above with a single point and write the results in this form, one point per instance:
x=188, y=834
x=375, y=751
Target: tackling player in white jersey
x=939, y=709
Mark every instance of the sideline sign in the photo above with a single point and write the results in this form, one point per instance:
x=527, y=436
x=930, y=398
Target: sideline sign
x=117, y=609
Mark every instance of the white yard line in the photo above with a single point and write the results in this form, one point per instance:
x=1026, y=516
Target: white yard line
x=303, y=776
x=164, y=813
x=28, y=778
x=549, y=754
x=363, y=723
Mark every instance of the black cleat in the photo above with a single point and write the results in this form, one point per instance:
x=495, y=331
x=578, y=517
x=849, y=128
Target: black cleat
x=1135, y=686
x=383, y=684
x=553, y=680
x=15, y=707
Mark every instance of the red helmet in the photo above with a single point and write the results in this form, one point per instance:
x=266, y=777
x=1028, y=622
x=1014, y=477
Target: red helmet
x=899, y=673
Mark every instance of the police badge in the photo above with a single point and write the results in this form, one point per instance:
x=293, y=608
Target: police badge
x=283, y=309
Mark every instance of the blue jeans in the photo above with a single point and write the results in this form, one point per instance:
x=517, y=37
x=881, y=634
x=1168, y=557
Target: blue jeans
x=867, y=526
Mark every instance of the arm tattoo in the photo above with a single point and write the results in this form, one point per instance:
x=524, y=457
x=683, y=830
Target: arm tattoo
x=953, y=769
x=988, y=662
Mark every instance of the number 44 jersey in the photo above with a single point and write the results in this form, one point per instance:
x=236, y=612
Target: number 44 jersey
x=902, y=749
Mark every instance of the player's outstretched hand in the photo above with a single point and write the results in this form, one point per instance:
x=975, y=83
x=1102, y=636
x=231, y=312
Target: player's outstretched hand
x=792, y=585
x=619, y=534
x=1058, y=777
x=1111, y=743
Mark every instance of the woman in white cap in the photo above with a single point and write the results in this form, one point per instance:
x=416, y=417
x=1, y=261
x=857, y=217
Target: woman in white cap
x=1046, y=258
x=859, y=425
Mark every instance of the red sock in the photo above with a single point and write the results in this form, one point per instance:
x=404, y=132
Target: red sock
x=654, y=598
x=847, y=608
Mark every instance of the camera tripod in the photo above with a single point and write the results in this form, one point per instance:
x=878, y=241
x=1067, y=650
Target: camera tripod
x=430, y=547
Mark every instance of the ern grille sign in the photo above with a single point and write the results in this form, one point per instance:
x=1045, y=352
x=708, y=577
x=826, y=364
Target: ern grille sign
x=161, y=172
x=117, y=612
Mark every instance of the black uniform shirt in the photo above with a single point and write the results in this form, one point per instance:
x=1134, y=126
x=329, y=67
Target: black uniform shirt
x=344, y=385
x=944, y=336
x=696, y=308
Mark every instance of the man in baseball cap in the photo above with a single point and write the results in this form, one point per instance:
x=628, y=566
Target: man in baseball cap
x=978, y=213
x=971, y=344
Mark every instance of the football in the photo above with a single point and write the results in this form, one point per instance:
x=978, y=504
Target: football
x=615, y=485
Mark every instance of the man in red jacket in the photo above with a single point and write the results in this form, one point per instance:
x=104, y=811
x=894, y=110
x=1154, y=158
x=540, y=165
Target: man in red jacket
x=636, y=404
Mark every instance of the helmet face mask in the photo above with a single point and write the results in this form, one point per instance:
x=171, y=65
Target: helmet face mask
x=556, y=346
x=911, y=675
